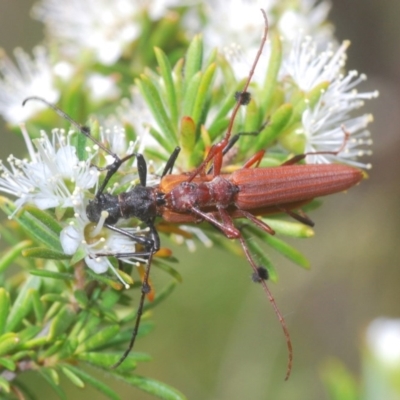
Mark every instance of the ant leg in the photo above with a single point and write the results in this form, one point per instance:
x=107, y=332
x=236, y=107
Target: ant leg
x=171, y=162
x=145, y=290
x=259, y=273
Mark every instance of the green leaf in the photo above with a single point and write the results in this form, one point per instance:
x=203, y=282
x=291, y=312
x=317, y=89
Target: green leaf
x=46, y=218
x=259, y=254
x=110, y=298
x=81, y=298
x=193, y=58
x=279, y=119
x=169, y=270
x=107, y=360
x=110, y=281
x=307, y=100
x=72, y=377
x=61, y=322
x=4, y=309
x=154, y=387
x=99, y=385
x=99, y=339
x=88, y=327
x=37, y=224
x=7, y=363
x=44, y=273
x=52, y=350
x=189, y=99
x=8, y=342
x=8, y=257
x=187, y=136
x=225, y=107
x=29, y=332
x=153, y=100
x=38, y=306
x=202, y=94
x=45, y=253
x=166, y=73
x=50, y=377
x=288, y=228
x=4, y=385
x=339, y=382
x=161, y=296
x=274, y=65
x=22, y=304
x=288, y=251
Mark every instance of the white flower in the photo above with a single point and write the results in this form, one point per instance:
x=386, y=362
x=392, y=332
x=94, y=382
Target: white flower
x=239, y=34
x=307, y=67
x=101, y=26
x=308, y=17
x=324, y=125
x=54, y=176
x=158, y=8
x=90, y=240
x=28, y=78
x=102, y=87
x=383, y=339
x=136, y=113
x=192, y=231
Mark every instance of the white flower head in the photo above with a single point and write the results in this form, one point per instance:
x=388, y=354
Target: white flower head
x=192, y=232
x=158, y=8
x=53, y=177
x=101, y=26
x=97, y=243
x=102, y=87
x=324, y=125
x=308, y=17
x=239, y=34
x=383, y=340
x=28, y=77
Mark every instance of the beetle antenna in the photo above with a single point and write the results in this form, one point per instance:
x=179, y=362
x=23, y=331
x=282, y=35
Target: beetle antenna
x=243, y=97
x=85, y=130
x=215, y=153
x=257, y=273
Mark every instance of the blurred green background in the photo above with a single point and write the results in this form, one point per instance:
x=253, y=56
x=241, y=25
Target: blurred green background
x=217, y=337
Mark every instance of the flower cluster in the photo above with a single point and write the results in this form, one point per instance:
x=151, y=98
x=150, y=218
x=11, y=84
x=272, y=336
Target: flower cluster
x=300, y=70
x=153, y=76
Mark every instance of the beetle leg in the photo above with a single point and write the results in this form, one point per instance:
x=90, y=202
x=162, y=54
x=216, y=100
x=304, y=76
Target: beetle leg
x=254, y=160
x=300, y=157
x=146, y=289
x=148, y=243
x=262, y=225
x=226, y=226
x=300, y=216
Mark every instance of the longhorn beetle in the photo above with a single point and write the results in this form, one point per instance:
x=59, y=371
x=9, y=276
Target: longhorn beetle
x=206, y=194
